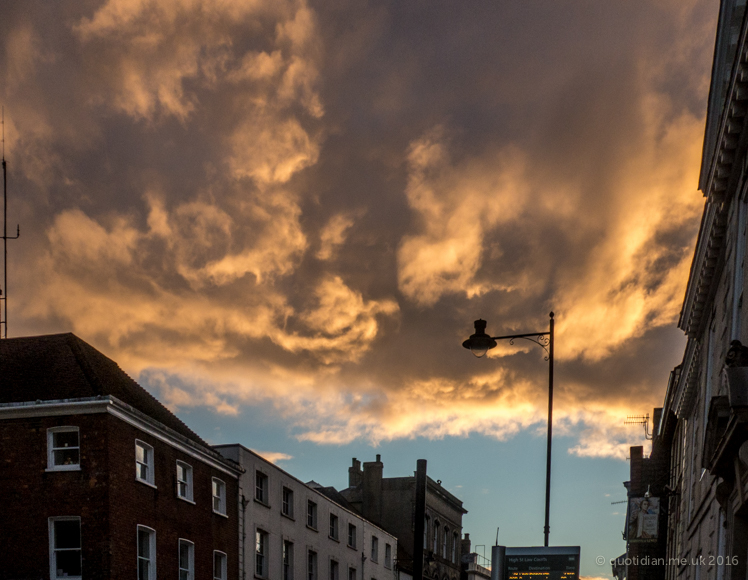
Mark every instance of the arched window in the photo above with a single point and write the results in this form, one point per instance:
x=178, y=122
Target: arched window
x=435, y=547
x=426, y=522
x=445, y=539
x=455, y=540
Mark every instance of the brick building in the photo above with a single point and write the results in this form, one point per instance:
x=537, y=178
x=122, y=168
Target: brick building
x=295, y=530
x=645, y=528
x=390, y=503
x=99, y=480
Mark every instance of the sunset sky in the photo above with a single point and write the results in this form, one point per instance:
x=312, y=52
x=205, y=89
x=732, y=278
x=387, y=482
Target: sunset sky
x=282, y=217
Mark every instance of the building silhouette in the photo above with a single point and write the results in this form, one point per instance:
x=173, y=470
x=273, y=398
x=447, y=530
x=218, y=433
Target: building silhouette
x=389, y=502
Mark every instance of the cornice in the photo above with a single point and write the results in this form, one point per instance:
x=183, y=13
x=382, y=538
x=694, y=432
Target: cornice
x=124, y=412
x=685, y=393
x=720, y=186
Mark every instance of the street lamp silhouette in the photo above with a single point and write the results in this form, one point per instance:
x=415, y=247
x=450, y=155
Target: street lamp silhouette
x=480, y=343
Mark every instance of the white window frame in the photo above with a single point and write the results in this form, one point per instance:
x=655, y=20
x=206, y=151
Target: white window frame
x=311, y=565
x=334, y=531
x=190, y=570
x=287, y=501
x=51, y=465
x=151, y=547
x=262, y=553
x=221, y=497
x=150, y=478
x=187, y=482
x=352, y=540
x=287, y=559
x=53, y=549
x=221, y=570
x=311, y=514
x=262, y=483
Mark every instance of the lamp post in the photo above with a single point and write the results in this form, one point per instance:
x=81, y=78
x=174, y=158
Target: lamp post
x=480, y=343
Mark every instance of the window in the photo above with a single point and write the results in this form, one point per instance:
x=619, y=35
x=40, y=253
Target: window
x=144, y=462
x=351, y=574
x=333, y=526
x=184, y=480
x=374, y=549
x=334, y=570
x=445, y=539
x=436, y=537
x=65, y=548
x=261, y=553
x=63, y=449
x=261, y=487
x=311, y=565
x=219, y=565
x=287, y=560
x=426, y=523
x=455, y=539
x=146, y=553
x=287, y=506
x=352, y=535
x=387, y=556
x=311, y=514
x=219, y=496
x=186, y=560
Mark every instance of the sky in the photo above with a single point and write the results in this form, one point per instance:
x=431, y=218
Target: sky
x=283, y=216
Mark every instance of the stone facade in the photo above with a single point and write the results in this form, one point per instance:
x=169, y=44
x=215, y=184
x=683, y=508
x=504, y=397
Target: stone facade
x=704, y=415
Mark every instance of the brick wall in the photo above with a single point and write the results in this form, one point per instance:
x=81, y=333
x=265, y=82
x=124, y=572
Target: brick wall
x=111, y=503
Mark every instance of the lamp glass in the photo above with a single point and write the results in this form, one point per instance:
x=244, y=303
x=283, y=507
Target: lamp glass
x=479, y=351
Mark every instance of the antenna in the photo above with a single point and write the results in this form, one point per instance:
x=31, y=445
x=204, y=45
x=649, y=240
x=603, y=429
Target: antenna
x=640, y=420
x=6, y=237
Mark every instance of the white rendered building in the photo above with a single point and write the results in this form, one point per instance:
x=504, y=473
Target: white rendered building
x=293, y=531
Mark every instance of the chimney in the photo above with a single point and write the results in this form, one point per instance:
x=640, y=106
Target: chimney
x=355, y=477
x=465, y=545
x=372, y=490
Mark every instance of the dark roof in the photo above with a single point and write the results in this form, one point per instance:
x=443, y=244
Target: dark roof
x=62, y=366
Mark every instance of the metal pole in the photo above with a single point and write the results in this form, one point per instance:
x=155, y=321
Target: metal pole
x=5, y=241
x=550, y=437
x=420, y=516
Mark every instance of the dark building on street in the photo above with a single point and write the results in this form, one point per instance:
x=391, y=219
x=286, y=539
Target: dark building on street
x=390, y=502
x=99, y=480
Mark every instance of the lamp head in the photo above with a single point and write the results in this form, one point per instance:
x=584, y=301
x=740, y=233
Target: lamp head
x=479, y=343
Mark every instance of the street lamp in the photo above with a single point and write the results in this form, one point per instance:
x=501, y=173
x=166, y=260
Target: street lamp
x=480, y=343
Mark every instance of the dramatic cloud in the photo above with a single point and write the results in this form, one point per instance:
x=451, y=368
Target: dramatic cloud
x=306, y=204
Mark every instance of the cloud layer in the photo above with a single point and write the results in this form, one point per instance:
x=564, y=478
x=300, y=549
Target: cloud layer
x=308, y=203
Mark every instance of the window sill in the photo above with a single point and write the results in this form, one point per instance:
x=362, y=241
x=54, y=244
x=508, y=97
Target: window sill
x=144, y=482
x=262, y=503
x=63, y=468
x=188, y=500
x=308, y=527
x=334, y=539
x=288, y=517
x=352, y=547
x=221, y=514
